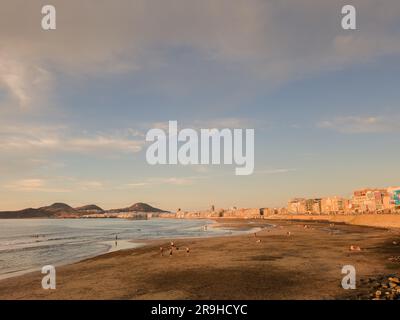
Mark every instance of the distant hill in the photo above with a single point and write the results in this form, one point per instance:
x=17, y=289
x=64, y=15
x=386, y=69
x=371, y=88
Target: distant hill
x=53, y=211
x=91, y=208
x=62, y=210
x=25, y=213
x=138, y=207
x=58, y=208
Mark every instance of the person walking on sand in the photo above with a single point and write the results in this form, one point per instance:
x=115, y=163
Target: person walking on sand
x=170, y=252
x=116, y=240
x=162, y=251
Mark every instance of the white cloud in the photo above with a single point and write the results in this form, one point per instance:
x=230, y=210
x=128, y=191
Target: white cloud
x=137, y=184
x=26, y=84
x=102, y=143
x=257, y=38
x=362, y=124
x=30, y=183
x=52, y=138
x=275, y=171
x=56, y=184
x=91, y=185
x=221, y=123
x=176, y=181
x=210, y=123
x=34, y=185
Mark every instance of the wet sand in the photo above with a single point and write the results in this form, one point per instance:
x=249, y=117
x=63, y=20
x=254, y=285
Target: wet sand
x=273, y=265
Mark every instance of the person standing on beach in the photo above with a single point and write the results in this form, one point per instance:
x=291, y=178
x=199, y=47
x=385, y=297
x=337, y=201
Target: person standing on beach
x=162, y=251
x=187, y=250
x=116, y=240
x=170, y=252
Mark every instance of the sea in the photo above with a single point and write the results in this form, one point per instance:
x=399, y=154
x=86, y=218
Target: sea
x=29, y=244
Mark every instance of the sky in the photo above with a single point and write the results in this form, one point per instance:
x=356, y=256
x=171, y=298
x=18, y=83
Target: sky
x=76, y=102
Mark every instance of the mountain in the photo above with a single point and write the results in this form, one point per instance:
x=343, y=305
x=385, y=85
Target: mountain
x=143, y=207
x=62, y=210
x=138, y=207
x=58, y=208
x=91, y=208
x=25, y=213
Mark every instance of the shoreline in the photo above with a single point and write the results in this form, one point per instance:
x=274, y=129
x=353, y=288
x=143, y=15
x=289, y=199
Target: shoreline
x=386, y=222
x=126, y=245
x=305, y=265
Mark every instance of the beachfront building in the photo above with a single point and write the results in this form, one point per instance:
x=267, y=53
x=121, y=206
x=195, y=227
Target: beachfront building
x=369, y=200
x=246, y=213
x=267, y=211
x=313, y=206
x=334, y=205
x=363, y=201
x=388, y=204
x=243, y=213
x=392, y=200
x=282, y=210
x=297, y=206
x=273, y=211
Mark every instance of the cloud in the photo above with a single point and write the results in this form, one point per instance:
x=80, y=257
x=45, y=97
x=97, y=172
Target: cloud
x=91, y=185
x=258, y=39
x=176, y=181
x=102, y=143
x=30, y=183
x=27, y=87
x=25, y=83
x=56, y=184
x=24, y=138
x=229, y=122
x=34, y=185
x=362, y=124
x=211, y=123
x=137, y=184
x=275, y=171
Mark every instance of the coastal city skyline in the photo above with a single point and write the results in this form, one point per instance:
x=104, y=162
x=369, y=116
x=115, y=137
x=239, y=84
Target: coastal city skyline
x=199, y=157
x=362, y=201
x=75, y=106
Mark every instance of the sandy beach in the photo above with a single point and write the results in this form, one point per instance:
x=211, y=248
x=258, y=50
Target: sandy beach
x=370, y=220
x=271, y=265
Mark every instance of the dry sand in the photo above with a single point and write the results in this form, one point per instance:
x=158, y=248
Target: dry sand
x=305, y=265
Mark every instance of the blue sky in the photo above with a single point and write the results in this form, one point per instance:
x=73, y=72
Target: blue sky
x=76, y=103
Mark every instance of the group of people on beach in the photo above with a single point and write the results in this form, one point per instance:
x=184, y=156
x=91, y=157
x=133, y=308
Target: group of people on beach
x=172, y=247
